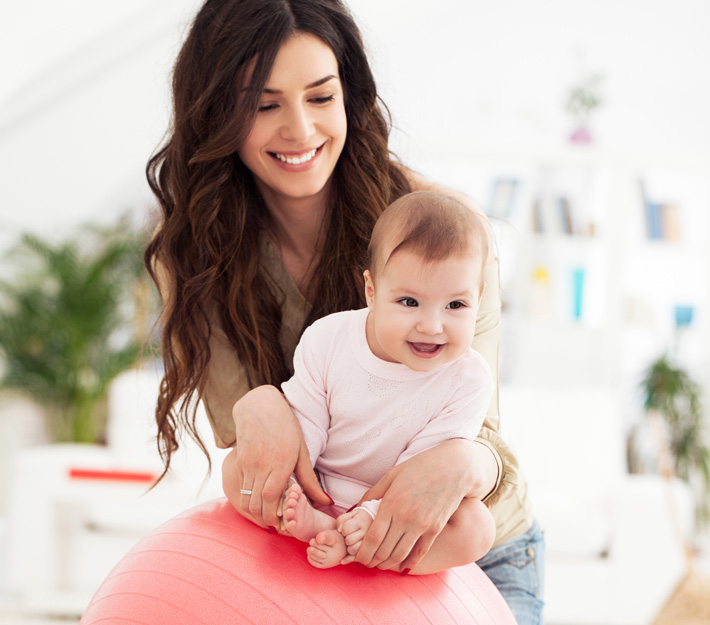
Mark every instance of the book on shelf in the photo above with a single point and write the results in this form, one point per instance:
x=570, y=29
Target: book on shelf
x=670, y=222
x=503, y=195
x=552, y=214
x=662, y=218
x=565, y=215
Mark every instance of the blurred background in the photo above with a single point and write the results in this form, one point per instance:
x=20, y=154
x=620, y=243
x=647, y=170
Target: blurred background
x=582, y=129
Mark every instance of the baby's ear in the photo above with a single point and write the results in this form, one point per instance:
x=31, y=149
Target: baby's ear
x=369, y=288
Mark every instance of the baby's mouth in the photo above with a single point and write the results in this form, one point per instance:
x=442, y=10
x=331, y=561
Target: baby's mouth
x=426, y=349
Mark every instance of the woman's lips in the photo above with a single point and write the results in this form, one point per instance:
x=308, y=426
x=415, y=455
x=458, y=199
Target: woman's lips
x=426, y=350
x=296, y=159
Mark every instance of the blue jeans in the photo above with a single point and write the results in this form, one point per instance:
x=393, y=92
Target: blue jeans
x=517, y=568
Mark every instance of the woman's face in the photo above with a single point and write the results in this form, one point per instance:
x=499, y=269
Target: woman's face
x=300, y=127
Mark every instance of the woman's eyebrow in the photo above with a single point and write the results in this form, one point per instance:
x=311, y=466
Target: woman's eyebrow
x=317, y=83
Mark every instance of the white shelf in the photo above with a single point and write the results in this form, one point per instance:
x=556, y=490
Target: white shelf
x=631, y=283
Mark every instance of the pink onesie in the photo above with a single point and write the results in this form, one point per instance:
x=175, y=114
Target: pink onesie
x=361, y=415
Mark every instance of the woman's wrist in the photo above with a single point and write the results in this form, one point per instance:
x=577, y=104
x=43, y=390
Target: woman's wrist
x=480, y=468
x=484, y=470
x=256, y=401
x=475, y=463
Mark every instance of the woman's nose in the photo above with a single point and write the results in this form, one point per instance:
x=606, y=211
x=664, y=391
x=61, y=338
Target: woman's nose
x=298, y=125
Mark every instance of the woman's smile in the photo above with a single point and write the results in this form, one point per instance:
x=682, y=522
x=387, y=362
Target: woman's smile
x=297, y=158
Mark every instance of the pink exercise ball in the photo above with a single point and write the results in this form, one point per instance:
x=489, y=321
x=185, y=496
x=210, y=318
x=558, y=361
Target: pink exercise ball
x=209, y=565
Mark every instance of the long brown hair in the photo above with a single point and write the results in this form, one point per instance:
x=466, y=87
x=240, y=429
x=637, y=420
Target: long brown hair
x=206, y=250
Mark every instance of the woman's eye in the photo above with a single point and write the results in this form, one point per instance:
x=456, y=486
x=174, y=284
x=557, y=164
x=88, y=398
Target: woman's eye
x=456, y=304
x=323, y=99
x=263, y=108
x=410, y=302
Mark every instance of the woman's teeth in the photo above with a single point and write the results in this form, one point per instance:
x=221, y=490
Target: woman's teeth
x=296, y=160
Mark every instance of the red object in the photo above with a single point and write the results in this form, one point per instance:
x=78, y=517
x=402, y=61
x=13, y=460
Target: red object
x=113, y=475
x=210, y=565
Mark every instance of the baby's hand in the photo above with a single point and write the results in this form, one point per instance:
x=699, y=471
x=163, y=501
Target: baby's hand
x=353, y=526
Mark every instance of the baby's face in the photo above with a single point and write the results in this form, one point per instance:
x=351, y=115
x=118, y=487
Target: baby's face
x=423, y=315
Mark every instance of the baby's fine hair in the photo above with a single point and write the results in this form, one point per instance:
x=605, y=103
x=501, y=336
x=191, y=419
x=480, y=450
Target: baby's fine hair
x=433, y=225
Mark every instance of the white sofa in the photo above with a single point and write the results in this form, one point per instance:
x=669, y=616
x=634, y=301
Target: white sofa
x=64, y=534
x=615, y=549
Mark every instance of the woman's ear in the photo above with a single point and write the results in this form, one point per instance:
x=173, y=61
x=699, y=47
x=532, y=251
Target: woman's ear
x=369, y=289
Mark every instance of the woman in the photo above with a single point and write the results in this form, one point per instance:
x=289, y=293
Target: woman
x=273, y=175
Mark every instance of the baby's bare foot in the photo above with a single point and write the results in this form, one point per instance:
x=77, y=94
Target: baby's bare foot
x=302, y=520
x=327, y=549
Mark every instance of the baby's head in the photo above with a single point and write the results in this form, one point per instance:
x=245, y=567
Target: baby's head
x=432, y=225
x=424, y=280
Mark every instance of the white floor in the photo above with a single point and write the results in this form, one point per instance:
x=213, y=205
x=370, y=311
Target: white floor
x=18, y=619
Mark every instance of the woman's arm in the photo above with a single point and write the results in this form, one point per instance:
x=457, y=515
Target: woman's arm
x=269, y=448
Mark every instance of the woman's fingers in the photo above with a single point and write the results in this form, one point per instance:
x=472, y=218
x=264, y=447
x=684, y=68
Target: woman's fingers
x=408, y=554
x=233, y=482
x=378, y=542
x=271, y=496
x=268, y=447
x=390, y=544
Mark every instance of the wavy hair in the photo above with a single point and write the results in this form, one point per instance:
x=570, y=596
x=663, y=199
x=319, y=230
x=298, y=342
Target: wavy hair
x=204, y=256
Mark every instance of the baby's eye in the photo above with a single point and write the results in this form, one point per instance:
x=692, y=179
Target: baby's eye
x=410, y=302
x=455, y=304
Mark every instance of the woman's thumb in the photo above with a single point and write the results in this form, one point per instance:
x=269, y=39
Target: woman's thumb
x=378, y=490
x=307, y=478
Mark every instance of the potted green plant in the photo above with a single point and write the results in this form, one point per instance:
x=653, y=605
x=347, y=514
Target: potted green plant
x=582, y=99
x=673, y=397
x=65, y=324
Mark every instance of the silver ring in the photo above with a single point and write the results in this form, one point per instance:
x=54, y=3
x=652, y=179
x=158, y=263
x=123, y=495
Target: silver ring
x=244, y=492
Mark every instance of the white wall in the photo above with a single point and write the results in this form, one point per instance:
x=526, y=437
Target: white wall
x=83, y=102
x=458, y=73
x=83, y=95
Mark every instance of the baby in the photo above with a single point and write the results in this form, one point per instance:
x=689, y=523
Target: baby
x=374, y=387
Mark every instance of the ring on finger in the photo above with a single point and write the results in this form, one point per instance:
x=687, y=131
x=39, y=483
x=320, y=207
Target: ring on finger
x=244, y=491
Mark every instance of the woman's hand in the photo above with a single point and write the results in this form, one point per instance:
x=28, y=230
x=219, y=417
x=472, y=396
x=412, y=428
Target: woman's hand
x=418, y=498
x=269, y=448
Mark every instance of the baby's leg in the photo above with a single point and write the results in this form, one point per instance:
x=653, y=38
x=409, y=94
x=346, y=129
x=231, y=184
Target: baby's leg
x=467, y=537
x=301, y=519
